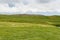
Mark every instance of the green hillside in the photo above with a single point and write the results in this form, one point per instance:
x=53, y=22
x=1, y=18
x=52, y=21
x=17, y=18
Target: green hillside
x=29, y=27
x=36, y=19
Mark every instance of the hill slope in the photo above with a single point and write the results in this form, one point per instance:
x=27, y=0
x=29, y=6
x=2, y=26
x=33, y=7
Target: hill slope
x=29, y=27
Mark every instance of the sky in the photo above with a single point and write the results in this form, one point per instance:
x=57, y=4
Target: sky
x=24, y=6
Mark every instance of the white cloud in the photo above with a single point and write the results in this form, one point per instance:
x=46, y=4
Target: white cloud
x=32, y=5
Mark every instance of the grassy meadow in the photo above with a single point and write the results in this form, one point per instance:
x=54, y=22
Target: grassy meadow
x=29, y=27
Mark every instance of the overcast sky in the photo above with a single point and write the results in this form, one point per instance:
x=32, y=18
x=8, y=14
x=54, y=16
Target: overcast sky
x=29, y=5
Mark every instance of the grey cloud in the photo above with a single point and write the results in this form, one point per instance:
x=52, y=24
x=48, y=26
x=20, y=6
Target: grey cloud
x=25, y=2
x=7, y=1
x=43, y=1
x=11, y=3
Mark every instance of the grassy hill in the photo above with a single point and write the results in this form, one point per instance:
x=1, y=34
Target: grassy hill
x=29, y=27
x=36, y=19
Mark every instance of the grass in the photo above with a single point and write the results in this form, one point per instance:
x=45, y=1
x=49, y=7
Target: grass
x=30, y=19
x=29, y=27
x=29, y=33
x=14, y=24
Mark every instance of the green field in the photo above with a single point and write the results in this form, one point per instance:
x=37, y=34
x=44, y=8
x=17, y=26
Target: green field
x=29, y=33
x=29, y=27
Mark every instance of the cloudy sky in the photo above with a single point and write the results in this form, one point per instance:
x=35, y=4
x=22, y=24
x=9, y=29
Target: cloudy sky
x=29, y=5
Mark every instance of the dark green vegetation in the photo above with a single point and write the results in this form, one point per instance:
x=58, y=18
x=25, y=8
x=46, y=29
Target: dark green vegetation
x=29, y=27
